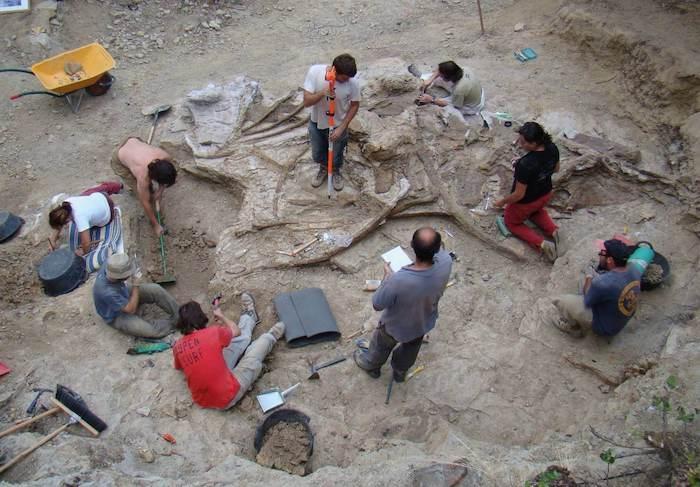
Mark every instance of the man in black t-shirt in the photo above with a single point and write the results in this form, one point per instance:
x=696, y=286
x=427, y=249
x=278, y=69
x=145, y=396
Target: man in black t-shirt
x=532, y=189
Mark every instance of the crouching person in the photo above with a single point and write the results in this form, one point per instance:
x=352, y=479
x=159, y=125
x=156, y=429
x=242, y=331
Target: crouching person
x=117, y=301
x=610, y=299
x=219, y=361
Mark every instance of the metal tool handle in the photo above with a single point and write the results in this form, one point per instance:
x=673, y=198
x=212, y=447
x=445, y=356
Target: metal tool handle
x=290, y=390
x=330, y=362
x=153, y=128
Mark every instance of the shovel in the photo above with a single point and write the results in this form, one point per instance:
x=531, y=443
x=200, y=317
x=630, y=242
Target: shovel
x=155, y=113
x=166, y=278
x=274, y=398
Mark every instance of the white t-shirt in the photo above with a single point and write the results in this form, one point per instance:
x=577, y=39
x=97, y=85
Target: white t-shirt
x=90, y=211
x=344, y=93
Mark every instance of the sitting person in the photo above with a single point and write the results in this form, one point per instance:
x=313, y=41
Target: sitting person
x=143, y=164
x=465, y=92
x=532, y=190
x=93, y=208
x=219, y=365
x=609, y=300
x=117, y=303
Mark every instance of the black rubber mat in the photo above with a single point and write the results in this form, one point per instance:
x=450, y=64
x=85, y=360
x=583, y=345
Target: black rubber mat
x=307, y=317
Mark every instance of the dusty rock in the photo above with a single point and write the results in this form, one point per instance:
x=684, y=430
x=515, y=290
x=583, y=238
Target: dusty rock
x=146, y=455
x=519, y=27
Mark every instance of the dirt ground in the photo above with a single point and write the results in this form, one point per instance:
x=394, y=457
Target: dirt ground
x=502, y=393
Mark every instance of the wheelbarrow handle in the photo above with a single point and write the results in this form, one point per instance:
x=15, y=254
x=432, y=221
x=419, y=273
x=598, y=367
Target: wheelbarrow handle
x=16, y=70
x=20, y=95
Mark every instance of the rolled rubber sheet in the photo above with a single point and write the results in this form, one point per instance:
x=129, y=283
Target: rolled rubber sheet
x=307, y=317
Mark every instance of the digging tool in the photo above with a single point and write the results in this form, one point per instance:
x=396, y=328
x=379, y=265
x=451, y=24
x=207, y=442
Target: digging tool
x=39, y=391
x=273, y=398
x=165, y=278
x=305, y=246
x=388, y=390
x=330, y=77
x=415, y=372
x=78, y=413
x=315, y=368
x=155, y=113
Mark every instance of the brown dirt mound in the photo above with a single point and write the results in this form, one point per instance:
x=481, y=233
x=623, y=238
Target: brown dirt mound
x=286, y=446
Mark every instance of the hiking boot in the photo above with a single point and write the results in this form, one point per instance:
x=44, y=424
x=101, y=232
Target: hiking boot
x=248, y=304
x=399, y=376
x=320, y=177
x=573, y=329
x=277, y=331
x=338, y=181
x=361, y=362
x=549, y=251
x=413, y=69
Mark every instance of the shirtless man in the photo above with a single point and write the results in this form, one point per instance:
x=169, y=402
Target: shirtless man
x=143, y=164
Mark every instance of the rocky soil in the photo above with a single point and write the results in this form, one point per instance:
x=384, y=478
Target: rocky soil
x=503, y=395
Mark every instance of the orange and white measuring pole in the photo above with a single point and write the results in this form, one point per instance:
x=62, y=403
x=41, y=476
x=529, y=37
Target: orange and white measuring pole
x=330, y=77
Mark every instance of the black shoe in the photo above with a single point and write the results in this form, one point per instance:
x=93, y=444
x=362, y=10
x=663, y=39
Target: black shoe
x=399, y=376
x=373, y=373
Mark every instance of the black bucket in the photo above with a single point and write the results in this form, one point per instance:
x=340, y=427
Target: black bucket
x=62, y=271
x=9, y=225
x=102, y=85
x=284, y=416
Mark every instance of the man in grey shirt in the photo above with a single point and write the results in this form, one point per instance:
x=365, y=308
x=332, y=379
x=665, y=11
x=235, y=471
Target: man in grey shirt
x=409, y=300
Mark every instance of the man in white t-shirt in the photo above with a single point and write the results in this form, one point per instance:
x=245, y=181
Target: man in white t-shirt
x=347, y=102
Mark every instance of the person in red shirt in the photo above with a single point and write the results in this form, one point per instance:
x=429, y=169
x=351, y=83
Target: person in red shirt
x=219, y=361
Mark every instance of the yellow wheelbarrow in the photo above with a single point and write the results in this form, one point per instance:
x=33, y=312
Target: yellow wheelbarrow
x=69, y=74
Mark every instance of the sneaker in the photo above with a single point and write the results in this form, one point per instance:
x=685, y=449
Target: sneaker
x=248, y=304
x=562, y=324
x=359, y=358
x=413, y=69
x=277, y=331
x=549, y=251
x=399, y=376
x=338, y=181
x=320, y=177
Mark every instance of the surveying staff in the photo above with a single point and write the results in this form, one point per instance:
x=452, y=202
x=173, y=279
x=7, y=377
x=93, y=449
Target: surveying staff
x=409, y=301
x=347, y=102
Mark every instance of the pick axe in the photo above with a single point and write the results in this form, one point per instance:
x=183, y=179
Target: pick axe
x=315, y=368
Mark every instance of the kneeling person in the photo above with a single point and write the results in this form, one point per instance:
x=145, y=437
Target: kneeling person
x=118, y=302
x=609, y=300
x=218, y=362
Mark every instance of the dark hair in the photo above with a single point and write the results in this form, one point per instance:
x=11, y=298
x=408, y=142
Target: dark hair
x=60, y=215
x=534, y=133
x=192, y=318
x=619, y=251
x=345, y=64
x=450, y=71
x=162, y=171
x=426, y=243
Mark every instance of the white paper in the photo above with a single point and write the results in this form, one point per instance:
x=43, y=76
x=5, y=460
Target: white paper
x=396, y=258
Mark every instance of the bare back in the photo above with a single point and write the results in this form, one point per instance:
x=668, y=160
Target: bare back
x=137, y=155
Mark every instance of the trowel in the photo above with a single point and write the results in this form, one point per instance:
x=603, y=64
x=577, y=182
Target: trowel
x=274, y=398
